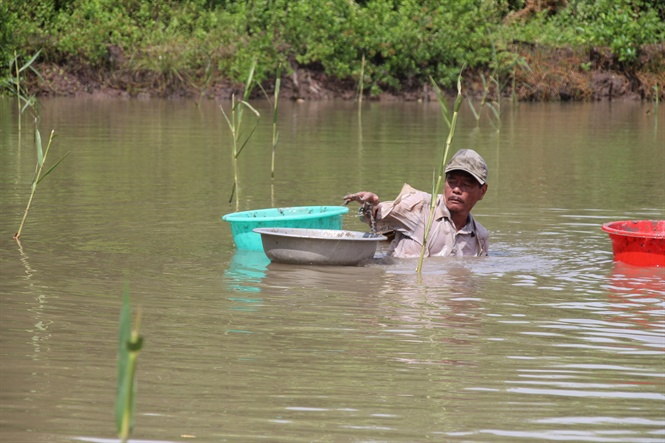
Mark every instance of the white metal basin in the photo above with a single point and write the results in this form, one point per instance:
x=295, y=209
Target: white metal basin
x=318, y=246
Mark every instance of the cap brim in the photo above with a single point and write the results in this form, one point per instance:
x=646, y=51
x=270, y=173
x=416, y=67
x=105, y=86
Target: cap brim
x=478, y=179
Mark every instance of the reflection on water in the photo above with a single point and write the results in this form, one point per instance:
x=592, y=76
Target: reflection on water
x=246, y=271
x=637, y=295
x=37, y=310
x=252, y=271
x=133, y=440
x=546, y=339
x=338, y=279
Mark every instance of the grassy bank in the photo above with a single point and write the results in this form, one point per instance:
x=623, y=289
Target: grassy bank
x=531, y=49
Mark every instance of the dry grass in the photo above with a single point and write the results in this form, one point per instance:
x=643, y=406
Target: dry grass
x=553, y=75
x=556, y=74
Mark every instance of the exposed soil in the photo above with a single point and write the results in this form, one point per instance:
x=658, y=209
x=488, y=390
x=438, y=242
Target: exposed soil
x=552, y=75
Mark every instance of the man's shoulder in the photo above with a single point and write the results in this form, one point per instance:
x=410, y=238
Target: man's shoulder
x=411, y=198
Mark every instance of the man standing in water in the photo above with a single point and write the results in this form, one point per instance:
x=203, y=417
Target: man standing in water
x=454, y=231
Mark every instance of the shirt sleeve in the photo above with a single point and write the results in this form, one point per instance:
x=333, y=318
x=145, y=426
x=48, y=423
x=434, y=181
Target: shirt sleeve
x=405, y=214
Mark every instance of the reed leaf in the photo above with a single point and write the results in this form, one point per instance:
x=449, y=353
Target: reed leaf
x=28, y=64
x=248, y=83
x=442, y=101
x=38, y=145
x=53, y=167
x=251, y=132
x=226, y=117
x=245, y=103
x=494, y=107
x=246, y=93
x=473, y=109
x=28, y=102
x=486, y=89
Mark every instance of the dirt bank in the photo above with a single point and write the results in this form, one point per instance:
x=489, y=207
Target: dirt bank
x=556, y=74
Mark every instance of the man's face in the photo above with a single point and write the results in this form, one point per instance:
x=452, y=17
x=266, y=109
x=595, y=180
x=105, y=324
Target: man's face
x=462, y=192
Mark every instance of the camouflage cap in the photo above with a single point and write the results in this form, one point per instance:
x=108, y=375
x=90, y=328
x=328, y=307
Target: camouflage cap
x=469, y=161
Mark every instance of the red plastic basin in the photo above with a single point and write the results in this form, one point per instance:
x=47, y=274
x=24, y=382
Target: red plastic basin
x=638, y=242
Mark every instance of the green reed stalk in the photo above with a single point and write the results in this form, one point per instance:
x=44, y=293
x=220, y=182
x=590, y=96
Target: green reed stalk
x=38, y=177
x=476, y=114
x=513, y=85
x=14, y=86
x=361, y=83
x=18, y=93
x=235, y=123
x=248, y=89
x=275, y=132
x=495, y=107
x=442, y=165
x=655, y=111
x=130, y=343
x=657, y=98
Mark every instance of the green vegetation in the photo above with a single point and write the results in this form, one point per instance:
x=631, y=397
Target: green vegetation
x=621, y=25
x=130, y=343
x=503, y=71
x=234, y=121
x=436, y=185
x=41, y=160
x=275, y=132
x=13, y=84
x=191, y=45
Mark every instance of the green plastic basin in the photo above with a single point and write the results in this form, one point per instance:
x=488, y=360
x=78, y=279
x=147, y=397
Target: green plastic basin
x=306, y=217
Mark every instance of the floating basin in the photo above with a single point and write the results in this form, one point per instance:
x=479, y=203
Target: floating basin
x=305, y=217
x=638, y=242
x=318, y=246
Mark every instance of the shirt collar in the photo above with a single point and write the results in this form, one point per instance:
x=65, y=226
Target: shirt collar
x=441, y=211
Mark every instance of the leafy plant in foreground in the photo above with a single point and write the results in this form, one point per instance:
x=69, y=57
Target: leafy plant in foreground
x=129, y=345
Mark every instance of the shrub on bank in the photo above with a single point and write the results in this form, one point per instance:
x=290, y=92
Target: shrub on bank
x=624, y=26
x=176, y=44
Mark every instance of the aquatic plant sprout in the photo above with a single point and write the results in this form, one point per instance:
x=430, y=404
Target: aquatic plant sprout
x=361, y=82
x=14, y=86
x=275, y=132
x=442, y=165
x=504, y=71
x=234, y=122
x=41, y=160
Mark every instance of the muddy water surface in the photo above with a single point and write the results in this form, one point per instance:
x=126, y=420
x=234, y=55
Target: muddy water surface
x=546, y=339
